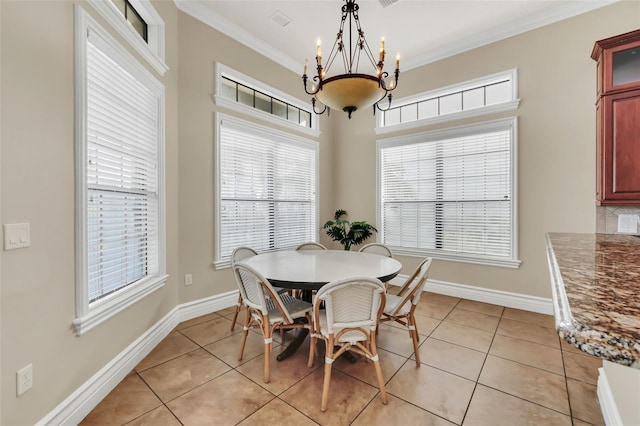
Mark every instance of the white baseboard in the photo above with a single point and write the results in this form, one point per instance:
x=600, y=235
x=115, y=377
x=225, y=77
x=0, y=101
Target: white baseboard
x=607, y=402
x=205, y=306
x=486, y=295
x=80, y=403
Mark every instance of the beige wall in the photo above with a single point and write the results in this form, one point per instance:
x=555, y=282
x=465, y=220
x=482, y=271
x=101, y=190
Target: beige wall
x=556, y=140
x=200, y=47
x=557, y=160
x=37, y=176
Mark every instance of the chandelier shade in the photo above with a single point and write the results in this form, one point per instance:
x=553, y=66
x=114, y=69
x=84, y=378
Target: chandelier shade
x=352, y=90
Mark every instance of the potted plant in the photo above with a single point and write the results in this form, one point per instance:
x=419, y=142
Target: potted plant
x=348, y=233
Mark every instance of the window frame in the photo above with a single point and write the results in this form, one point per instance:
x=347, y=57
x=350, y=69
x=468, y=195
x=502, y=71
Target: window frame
x=510, y=124
x=275, y=133
x=222, y=70
x=512, y=104
x=89, y=315
x=153, y=50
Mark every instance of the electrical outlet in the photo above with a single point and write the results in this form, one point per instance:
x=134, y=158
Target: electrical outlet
x=24, y=379
x=188, y=279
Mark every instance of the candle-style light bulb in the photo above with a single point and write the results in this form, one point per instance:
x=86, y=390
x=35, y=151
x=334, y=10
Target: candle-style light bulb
x=398, y=61
x=306, y=64
x=319, y=54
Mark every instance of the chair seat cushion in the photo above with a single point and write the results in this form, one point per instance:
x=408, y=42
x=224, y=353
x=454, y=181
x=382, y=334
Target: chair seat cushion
x=297, y=308
x=348, y=337
x=392, y=304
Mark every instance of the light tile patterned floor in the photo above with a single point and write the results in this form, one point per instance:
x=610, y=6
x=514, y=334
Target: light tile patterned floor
x=481, y=365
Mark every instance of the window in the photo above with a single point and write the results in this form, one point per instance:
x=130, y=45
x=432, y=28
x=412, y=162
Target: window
x=238, y=92
x=489, y=94
x=133, y=17
x=451, y=194
x=252, y=98
x=119, y=188
x=266, y=188
x=139, y=24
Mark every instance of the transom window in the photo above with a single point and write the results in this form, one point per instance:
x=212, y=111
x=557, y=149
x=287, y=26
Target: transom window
x=451, y=194
x=487, y=94
x=253, y=98
x=133, y=17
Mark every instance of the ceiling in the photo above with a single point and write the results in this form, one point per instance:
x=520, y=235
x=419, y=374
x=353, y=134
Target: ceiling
x=422, y=31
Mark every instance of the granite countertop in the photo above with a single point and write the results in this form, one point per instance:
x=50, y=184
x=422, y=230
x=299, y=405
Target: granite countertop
x=596, y=293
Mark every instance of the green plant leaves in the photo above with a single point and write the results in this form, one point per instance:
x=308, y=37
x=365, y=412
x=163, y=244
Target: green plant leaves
x=348, y=233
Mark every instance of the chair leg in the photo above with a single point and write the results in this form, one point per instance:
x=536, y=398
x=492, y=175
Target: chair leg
x=383, y=392
x=413, y=331
x=327, y=374
x=245, y=333
x=325, y=386
x=235, y=315
x=267, y=347
x=312, y=350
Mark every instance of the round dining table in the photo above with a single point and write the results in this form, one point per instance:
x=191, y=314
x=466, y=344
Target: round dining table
x=311, y=269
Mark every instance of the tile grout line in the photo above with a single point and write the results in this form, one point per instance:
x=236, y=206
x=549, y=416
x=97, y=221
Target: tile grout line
x=477, y=381
x=566, y=382
x=407, y=359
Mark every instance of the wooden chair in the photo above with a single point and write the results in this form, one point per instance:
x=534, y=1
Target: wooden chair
x=311, y=246
x=267, y=310
x=401, y=307
x=307, y=294
x=352, y=309
x=237, y=255
x=376, y=248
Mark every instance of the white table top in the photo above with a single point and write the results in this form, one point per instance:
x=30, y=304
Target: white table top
x=310, y=269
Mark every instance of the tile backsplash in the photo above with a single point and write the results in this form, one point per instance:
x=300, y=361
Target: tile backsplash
x=607, y=218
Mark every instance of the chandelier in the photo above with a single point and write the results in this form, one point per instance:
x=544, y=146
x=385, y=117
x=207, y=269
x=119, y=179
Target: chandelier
x=351, y=90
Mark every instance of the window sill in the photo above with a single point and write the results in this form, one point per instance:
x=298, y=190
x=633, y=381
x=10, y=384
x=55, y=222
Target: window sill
x=487, y=261
x=119, y=301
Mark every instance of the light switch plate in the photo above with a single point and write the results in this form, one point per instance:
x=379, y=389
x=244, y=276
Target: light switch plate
x=628, y=223
x=16, y=235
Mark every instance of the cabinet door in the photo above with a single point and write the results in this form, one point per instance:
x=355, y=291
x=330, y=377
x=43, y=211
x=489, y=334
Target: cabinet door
x=620, y=148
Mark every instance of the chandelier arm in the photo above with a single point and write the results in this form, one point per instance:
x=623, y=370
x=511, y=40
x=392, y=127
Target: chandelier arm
x=383, y=81
x=318, y=84
x=326, y=108
x=377, y=104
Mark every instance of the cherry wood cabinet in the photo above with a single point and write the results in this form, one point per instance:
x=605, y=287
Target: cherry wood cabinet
x=618, y=119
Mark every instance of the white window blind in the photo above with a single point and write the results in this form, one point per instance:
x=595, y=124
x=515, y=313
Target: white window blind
x=121, y=175
x=450, y=194
x=267, y=189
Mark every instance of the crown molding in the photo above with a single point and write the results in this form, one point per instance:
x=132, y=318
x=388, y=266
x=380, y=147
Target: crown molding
x=556, y=14
x=541, y=19
x=217, y=22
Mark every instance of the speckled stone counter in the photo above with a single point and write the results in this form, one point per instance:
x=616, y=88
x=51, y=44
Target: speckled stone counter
x=596, y=293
